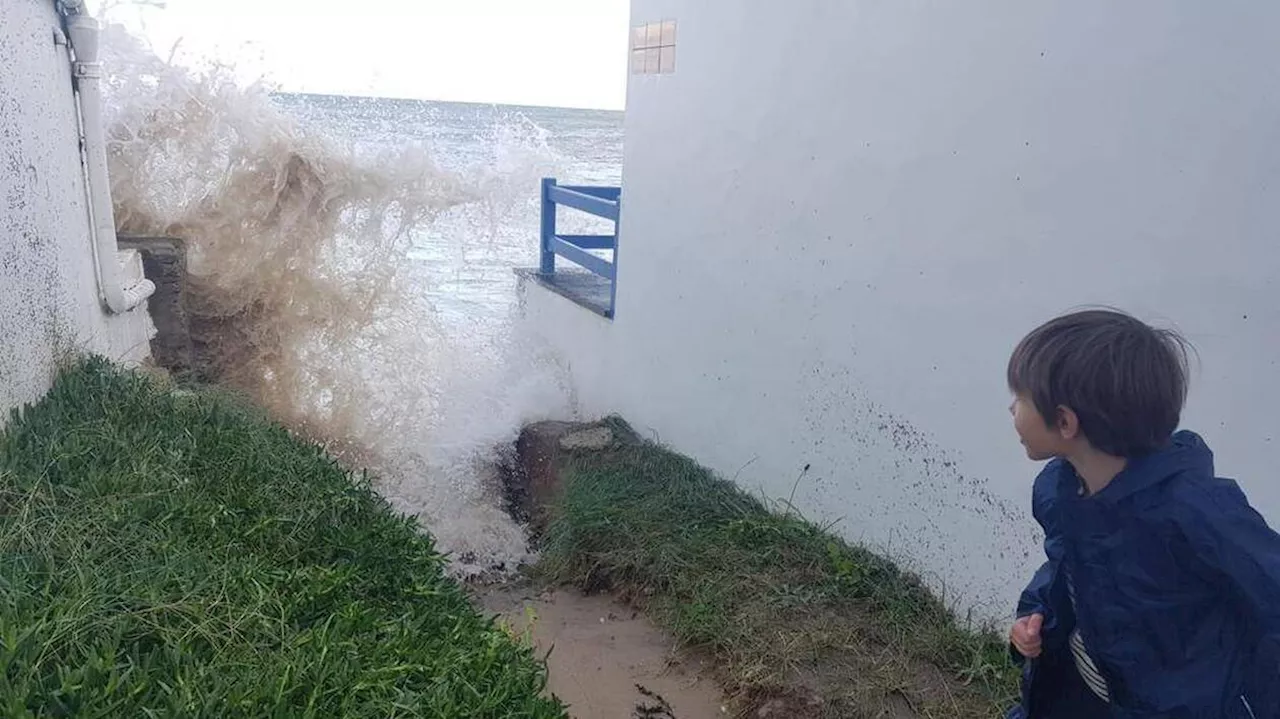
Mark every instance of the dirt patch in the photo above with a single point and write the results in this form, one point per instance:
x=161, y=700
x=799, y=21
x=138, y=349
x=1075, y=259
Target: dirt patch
x=606, y=660
x=782, y=704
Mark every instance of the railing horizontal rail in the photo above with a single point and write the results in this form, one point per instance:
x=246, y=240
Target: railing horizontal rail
x=590, y=242
x=579, y=256
x=607, y=193
x=593, y=204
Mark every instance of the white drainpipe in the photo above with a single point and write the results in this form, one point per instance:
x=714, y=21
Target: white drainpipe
x=84, y=32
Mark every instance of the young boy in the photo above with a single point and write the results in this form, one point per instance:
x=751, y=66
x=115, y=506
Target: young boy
x=1161, y=593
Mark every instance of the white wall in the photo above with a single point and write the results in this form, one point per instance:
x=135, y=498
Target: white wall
x=839, y=217
x=48, y=294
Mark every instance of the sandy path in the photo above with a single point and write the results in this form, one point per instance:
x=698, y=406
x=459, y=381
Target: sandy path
x=603, y=653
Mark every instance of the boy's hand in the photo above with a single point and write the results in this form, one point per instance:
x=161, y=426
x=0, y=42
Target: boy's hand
x=1025, y=635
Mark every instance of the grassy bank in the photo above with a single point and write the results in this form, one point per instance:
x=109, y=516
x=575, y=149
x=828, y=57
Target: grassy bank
x=799, y=620
x=175, y=554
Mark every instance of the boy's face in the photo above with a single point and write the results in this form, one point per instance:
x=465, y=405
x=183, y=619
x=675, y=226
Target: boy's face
x=1041, y=439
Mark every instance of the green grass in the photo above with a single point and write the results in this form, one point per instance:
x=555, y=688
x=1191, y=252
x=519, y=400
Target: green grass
x=176, y=554
x=786, y=607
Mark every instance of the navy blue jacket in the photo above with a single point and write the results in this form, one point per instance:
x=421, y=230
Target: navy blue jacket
x=1177, y=583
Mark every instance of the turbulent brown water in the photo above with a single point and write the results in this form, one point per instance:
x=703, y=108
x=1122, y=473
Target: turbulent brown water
x=333, y=273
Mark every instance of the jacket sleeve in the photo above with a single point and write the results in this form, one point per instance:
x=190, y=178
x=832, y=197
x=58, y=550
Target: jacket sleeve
x=1235, y=543
x=1037, y=597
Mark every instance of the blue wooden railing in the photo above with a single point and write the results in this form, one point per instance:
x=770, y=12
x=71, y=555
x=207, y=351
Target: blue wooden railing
x=599, y=201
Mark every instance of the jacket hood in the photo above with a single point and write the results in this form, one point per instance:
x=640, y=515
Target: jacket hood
x=1186, y=453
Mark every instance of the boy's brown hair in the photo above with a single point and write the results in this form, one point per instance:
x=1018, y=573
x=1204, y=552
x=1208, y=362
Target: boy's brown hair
x=1125, y=380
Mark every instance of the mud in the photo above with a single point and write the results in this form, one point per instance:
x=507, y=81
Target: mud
x=606, y=660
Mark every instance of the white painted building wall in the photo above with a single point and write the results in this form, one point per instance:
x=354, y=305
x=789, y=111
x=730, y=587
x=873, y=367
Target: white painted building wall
x=839, y=217
x=48, y=293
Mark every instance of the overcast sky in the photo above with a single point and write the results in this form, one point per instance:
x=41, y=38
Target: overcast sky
x=567, y=53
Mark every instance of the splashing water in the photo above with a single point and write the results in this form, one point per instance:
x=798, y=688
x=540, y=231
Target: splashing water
x=319, y=274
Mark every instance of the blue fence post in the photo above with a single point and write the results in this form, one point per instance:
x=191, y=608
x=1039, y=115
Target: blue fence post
x=547, y=263
x=613, y=281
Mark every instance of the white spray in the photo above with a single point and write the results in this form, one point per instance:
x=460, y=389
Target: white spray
x=304, y=295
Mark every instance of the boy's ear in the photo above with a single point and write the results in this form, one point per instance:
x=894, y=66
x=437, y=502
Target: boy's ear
x=1068, y=424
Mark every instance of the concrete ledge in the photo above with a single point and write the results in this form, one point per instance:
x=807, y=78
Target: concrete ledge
x=585, y=289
